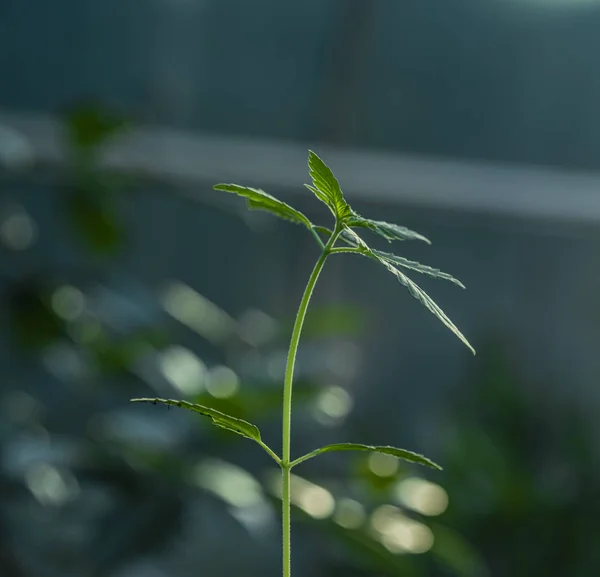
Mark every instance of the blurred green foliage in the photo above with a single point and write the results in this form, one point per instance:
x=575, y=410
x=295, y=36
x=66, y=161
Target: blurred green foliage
x=99, y=448
x=523, y=472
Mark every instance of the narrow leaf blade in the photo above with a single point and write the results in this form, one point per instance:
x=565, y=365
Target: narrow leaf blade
x=355, y=241
x=260, y=200
x=418, y=293
x=218, y=418
x=326, y=187
x=385, y=449
x=417, y=267
x=387, y=230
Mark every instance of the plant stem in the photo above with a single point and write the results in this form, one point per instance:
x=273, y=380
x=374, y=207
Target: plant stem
x=286, y=519
x=287, y=402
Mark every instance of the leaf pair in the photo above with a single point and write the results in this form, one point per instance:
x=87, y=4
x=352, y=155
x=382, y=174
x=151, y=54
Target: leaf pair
x=250, y=431
x=327, y=189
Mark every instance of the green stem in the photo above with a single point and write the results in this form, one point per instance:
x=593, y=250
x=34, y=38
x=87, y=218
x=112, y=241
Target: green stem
x=342, y=249
x=286, y=519
x=270, y=452
x=317, y=237
x=287, y=402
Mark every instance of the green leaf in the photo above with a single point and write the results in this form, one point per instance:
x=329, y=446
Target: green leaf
x=219, y=419
x=399, y=453
x=260, y=200
x=351, y=238
x=387, y=230
x=417, y=267
x=417, y=292
x=326, y=187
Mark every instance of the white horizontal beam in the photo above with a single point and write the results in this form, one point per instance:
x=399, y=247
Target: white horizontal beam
x=197, y=159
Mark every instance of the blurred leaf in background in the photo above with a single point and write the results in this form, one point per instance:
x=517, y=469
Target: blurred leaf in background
x=115, y=486
x=529, y=505
x=92, y=198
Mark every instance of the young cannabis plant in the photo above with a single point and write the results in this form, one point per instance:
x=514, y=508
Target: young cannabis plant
x=344, y=238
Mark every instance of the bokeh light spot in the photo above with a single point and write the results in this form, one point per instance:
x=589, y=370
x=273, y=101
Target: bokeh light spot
x=422, y=496
x=195, y=311
x=383, y=465
x=332, y=405
x=18, y=231
x=68, y=302
x=349, y=514
x=51, y=486
x=313, y=499
x=222, y=382
x=231, y=483
x=183, y=369
x=400, y=534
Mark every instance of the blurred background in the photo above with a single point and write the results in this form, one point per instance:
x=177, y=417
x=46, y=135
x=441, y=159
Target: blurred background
x=123, y=274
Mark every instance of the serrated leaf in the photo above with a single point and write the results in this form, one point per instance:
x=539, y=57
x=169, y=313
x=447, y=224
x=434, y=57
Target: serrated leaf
x=326, y=187
x=351, y=238
x=387, y=450
x=387, y=230
x=417, y=292
x=417, y=267
x=260, y=200
x=218, y=418
x=355, y=241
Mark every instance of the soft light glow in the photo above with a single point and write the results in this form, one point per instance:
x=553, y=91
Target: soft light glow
x=343, y=359
x=384, y=516
x=257, y=327
x=21, y=407
x=222, y=382
x=314, y=500
x=195, y=311
x=255, y=518
x=400, y=534
x=66, y=363
x=332, y=405
x=383, y=465
x=422, y=496
x=183, y=369
x=16, y=151
x=335, y=402
x=18, y=231
x=408, y=537
x=232, y=484
x=349, y=514
x=51, y=486
x=68, y=302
